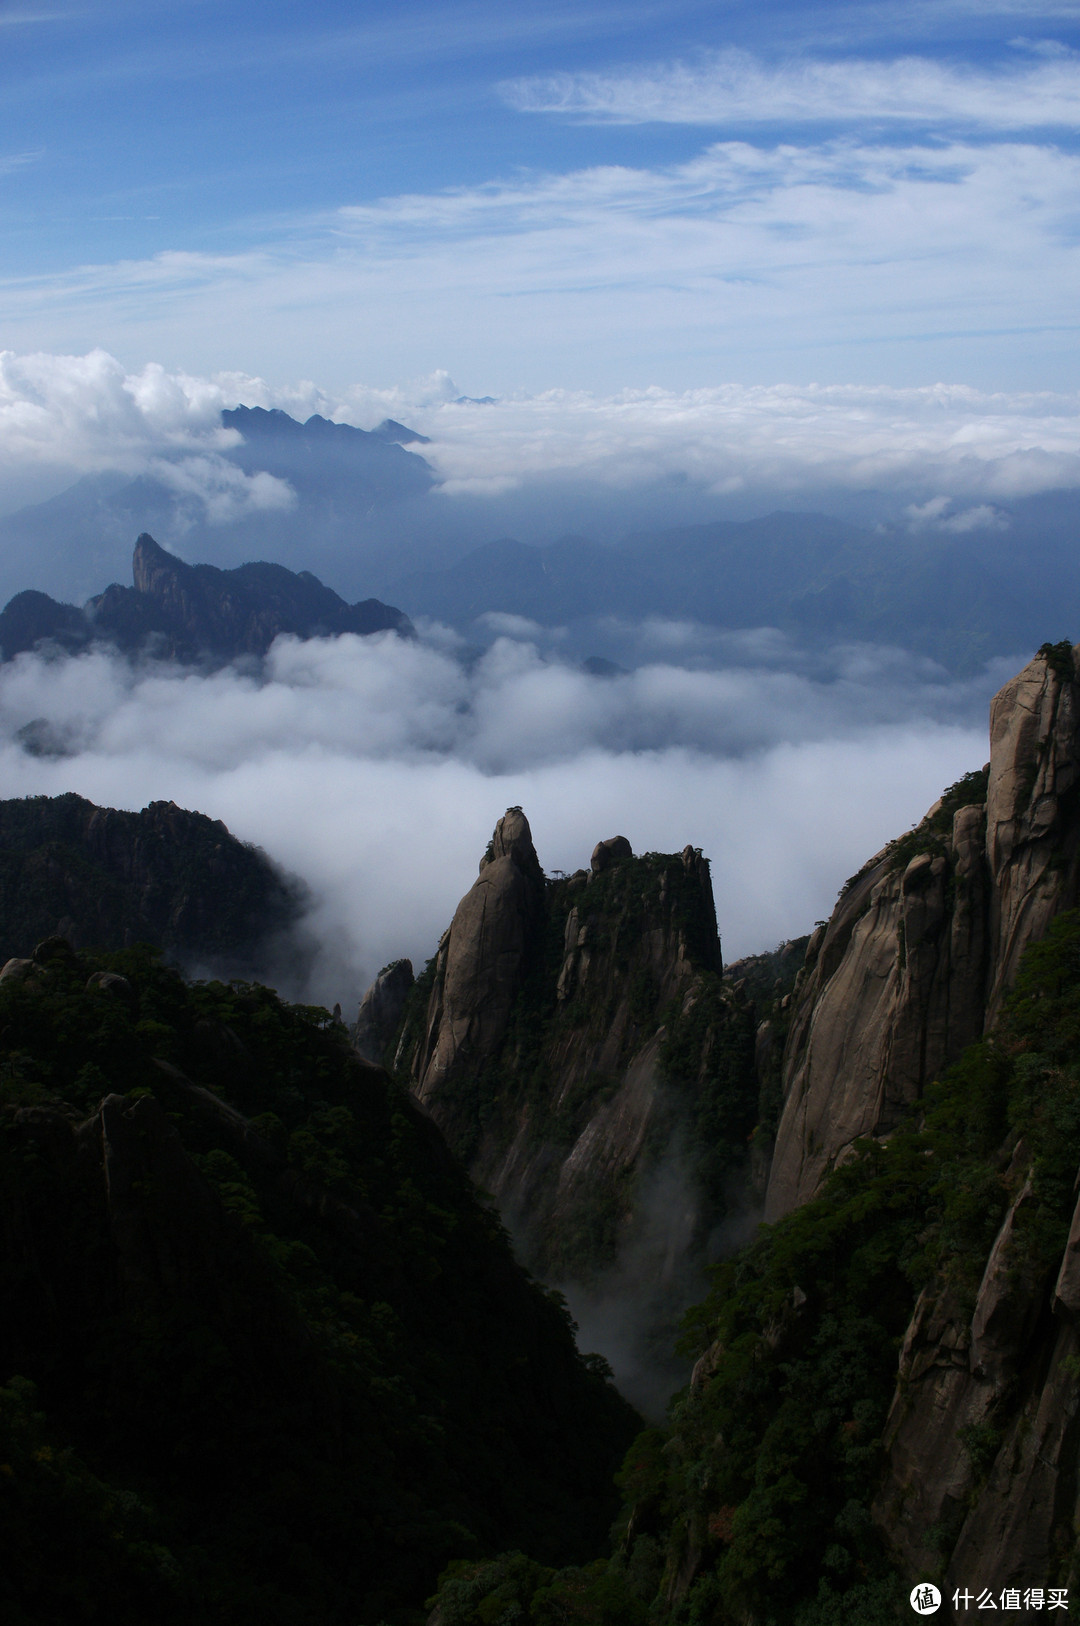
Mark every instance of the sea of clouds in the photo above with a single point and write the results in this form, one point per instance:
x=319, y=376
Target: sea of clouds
x=375, y=768
x=952, y=446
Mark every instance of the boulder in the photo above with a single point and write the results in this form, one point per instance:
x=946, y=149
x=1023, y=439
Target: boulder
x=612, y=851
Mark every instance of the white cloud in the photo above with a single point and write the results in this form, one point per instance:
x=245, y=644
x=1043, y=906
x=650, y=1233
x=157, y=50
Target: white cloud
x=376, y=768
x=219, y=491
x=940, y=443
x=504, y=625
x=85, y=414
x=982, y=517
x=772, y=438
x=734, y=87
x=927, y=513
x=744, y=262
x=1042, y=47
x=934, y=514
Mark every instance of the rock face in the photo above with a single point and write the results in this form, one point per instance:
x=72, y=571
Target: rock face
x=481, y=963
x=980, y=1442
x=193, y=612
x=925, y=940
x=108, y=879
x=381, y=1010
x=577, y=1043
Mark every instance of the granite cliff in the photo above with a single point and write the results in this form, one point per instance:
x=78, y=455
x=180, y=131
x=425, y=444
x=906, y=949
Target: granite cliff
x=926, y=939
x=575, y=1040
x=885, y=1387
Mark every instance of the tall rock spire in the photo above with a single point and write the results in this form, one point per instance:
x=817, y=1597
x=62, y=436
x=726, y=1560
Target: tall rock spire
x=924, y=942
x=481, y=961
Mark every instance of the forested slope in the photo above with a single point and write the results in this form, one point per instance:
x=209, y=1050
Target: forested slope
x=265, y=1356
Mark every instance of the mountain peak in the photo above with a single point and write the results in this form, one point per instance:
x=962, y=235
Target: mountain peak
x=149, y=560
x=391, y=430
x=187, y=612
x=512, y=839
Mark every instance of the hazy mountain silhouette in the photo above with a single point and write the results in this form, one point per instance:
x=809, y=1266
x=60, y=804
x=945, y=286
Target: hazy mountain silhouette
x=191, y=612
x=340, y=477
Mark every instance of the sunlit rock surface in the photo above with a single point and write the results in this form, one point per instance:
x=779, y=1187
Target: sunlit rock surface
x=925, y=940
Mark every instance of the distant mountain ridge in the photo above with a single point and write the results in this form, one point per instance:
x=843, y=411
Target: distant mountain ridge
x=340, y=477
x=302, y=453
x=187, y=612
x=960, y=597
x=365, y=509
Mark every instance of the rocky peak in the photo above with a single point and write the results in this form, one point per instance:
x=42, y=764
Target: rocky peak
x=513, y=839
x=615, y=850
x=194, y=612
x=381, y=1010
x=925, y=940
x=481, y=962
x=582, y=1052
x=153, y=570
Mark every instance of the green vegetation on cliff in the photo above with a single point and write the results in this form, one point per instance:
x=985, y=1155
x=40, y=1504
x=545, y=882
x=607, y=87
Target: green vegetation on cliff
x=264, y=1357
x=756, y=1502
x=107, y=879
x=623, y=1047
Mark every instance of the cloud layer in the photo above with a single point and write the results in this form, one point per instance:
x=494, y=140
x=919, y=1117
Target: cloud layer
x=376, y=769
x=951, y=447
x=733, y=87
x=846, y=258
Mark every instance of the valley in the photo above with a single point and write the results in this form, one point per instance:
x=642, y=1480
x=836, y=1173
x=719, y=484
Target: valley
x=882, y=1372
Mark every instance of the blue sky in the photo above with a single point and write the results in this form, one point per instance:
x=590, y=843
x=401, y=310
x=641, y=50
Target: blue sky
x=536, y=197
x=772, y=255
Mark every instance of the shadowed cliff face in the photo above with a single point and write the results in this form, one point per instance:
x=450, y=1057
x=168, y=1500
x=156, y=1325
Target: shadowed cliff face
x=926, y=939
x=577, y=1044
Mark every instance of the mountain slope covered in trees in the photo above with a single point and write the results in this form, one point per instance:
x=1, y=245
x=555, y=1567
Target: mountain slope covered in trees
x=106, y=878
x=265, y=1356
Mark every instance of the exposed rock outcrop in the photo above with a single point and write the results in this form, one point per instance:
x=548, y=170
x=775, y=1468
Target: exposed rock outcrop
x=481, y=964
x=925, y=940
x=381, y=1010
x=582, y=1052
x=981, y=1437
x=614, y=850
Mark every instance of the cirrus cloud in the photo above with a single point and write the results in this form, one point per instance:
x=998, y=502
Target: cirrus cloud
x=734, y=87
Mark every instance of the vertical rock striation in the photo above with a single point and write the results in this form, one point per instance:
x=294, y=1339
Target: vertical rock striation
x=925, y=940
x=481, y=964
x=577, y=1043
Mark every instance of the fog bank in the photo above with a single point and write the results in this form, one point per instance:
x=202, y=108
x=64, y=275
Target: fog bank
x=376, y=768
